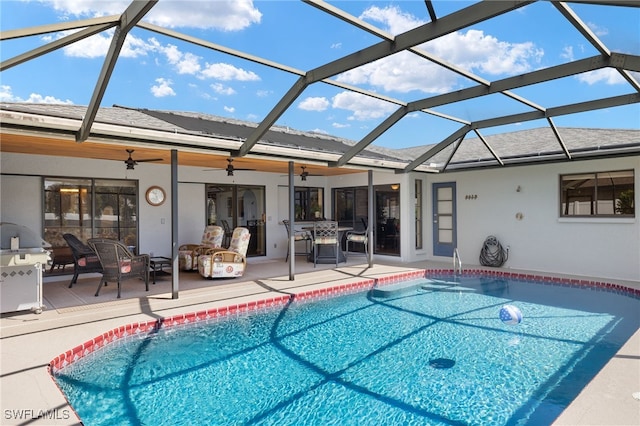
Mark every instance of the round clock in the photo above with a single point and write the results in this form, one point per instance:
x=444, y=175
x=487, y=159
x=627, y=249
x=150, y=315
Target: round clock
x=155, y=195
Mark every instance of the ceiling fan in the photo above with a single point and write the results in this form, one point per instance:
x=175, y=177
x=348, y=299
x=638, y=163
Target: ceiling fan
x=131, y=163
x=230, y=167
x=305, y=173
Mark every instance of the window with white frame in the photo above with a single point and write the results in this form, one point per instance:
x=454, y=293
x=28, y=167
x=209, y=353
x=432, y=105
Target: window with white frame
x=598, y=194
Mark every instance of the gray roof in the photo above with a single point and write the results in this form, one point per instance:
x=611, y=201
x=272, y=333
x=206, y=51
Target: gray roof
x=539, y=142
x=281, y=136
x=516, y=147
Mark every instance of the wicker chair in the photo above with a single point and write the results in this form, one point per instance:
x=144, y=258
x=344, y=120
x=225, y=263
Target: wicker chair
x=118, y=263
x=85, y=260
x=298, y=236
x=325, y=233
x=226, y=263
x=212, y=237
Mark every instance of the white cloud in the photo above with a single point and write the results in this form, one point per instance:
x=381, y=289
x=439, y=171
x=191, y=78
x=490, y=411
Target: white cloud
x=226, y=72
x=229, y=109
x=225, y=15
x=97, y=45
x=393, y=19
x=602, y=75
x=567, y=53
x=597, y=30
x=163, y=88
x=362, y=107
x=476, y=51
x=184, y=63
x=405, y=72
x=6, y=95
x=340, y=125
x=314, y=104
x=222, y=89
x=263, y=93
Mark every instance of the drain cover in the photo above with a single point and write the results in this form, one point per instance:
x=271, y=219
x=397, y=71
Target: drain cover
x=441, y=363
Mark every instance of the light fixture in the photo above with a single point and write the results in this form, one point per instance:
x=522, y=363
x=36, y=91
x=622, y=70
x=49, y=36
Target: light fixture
x=395, y=186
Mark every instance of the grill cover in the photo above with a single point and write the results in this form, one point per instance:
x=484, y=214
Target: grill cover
x=28, y=238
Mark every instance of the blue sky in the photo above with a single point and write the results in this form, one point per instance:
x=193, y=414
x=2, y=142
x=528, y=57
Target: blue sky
x=159, y=72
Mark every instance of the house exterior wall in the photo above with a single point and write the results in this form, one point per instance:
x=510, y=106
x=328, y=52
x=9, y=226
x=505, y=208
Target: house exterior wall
x=540, y=241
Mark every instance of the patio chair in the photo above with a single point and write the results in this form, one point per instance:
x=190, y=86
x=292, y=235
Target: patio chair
x=118, y=263
x=357, y=237
x=229, y=262
x=325, y=233
x=188, y=254
x=298, y=236
x=85, y=259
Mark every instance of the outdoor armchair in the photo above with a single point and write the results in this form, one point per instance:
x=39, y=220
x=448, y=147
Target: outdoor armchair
x=119, y=264
x=85, y=259
x=229, y=262
x=188, y=253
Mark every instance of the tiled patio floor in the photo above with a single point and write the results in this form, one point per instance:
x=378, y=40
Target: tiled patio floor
x=73, y=316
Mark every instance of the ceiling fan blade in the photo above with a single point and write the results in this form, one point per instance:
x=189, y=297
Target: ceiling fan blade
x=144, y=160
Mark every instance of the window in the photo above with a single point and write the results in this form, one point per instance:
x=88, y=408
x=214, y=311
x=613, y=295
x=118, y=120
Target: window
x=308, y=203
x=604, y=194
x=90, y=208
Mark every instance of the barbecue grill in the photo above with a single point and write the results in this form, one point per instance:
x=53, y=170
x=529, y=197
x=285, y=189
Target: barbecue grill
x=23, y=257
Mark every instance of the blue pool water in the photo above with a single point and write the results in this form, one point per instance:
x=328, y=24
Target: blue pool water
x=435, y=353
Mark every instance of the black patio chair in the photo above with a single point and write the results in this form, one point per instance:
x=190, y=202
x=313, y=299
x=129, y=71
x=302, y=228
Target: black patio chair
x=85, y=260
x=118, y=263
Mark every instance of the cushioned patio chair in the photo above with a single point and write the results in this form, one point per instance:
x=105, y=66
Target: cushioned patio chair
x=85, y=259
x=357, y=237
x=226, y=263
x=119, y=264
x=298, y=236
x=325, y=233
x=188, y=253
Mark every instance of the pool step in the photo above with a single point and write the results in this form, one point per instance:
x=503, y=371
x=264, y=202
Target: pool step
x=394, y=290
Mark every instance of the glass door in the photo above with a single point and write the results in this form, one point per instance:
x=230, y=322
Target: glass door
x=444, y=219
x=231, y=206
x=387, y=230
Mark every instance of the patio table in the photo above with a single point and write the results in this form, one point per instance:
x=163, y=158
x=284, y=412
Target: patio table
x=157, y=265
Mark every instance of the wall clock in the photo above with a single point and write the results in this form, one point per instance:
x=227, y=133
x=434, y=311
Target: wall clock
x=156, y=195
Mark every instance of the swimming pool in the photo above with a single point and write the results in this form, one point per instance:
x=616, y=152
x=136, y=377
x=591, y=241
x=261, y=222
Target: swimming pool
x=433, y=352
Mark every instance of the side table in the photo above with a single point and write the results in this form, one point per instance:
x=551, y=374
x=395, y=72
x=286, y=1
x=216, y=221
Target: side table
x=157, y=265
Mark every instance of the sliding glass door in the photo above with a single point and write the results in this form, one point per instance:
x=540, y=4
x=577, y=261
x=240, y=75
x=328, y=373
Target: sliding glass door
x=239, y=205
x=351, y=208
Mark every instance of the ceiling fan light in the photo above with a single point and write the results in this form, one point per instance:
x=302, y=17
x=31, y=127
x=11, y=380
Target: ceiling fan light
x=229, y=172
x=303, y=177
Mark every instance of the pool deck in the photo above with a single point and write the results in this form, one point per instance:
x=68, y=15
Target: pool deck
x=30, y=341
